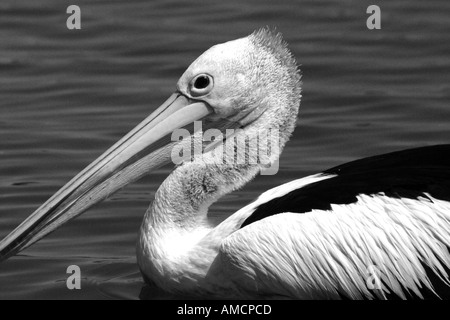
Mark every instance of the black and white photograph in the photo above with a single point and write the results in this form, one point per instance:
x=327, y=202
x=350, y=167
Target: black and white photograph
x=196, y=151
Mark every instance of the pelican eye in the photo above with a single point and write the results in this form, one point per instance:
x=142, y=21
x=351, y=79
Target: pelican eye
x=201, y=85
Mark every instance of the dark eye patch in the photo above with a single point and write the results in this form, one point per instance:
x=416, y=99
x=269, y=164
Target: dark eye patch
x=201, y=82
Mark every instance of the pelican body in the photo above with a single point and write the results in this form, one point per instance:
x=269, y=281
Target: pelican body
x=373, y=228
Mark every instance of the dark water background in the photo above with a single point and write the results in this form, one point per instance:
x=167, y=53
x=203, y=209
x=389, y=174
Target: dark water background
x=66, y=96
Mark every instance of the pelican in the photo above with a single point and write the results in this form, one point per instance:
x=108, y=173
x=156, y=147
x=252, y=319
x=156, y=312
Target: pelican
x=374, y=228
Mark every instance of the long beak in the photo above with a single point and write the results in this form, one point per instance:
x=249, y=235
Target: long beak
x=143, y=149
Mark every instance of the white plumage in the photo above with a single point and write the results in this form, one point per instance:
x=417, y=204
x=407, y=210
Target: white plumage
x=326, y=254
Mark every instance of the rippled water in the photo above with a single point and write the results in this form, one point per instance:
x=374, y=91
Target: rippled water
x=65, y=96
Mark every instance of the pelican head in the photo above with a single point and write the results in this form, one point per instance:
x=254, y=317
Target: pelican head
x=237, y=83
x=243, y=78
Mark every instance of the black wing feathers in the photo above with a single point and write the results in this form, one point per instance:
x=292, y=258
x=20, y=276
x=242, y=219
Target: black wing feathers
x=407, y=174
